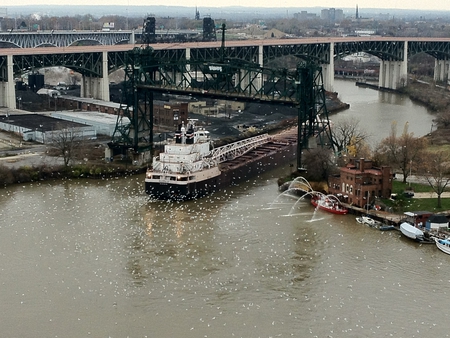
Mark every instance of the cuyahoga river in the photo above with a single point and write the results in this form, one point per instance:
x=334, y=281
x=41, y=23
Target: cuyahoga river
x=93, y=258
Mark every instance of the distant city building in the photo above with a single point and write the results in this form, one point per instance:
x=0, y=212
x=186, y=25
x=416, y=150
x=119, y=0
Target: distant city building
x=304, y=15
x=332, y=14
x=365, y=32
x=3, y=14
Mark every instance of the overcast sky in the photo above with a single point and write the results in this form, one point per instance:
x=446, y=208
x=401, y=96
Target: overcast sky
x=397, y=4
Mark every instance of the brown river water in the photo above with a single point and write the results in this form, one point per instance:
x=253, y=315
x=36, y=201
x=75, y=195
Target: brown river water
x=93, y=258
x=96, y=258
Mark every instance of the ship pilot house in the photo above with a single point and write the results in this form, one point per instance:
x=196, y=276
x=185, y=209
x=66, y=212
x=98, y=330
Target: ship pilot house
x=359, y=182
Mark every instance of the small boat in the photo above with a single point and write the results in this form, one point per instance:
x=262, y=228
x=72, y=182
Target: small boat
x=328, y=203
x=411, y=231
x=386, y=227
x=366, y=220
x=443, y=245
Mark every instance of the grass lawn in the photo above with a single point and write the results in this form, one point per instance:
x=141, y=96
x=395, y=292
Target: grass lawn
x=402, y=203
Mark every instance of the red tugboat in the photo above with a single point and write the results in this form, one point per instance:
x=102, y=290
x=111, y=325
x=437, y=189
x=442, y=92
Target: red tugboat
x=328, y=203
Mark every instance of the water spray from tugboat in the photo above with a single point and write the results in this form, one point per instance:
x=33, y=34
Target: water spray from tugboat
x=301, y=189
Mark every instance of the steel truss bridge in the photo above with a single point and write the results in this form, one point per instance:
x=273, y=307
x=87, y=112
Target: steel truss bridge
x=59, y=38
x=235, y=71
x=92, y=61
x=226, y=78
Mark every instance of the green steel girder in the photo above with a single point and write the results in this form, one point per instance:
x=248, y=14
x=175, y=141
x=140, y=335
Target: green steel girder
x=170, y=55
x=3, y=68
x=246, y=53
x=385, y=50
x=116, y=60
x=230, y=78
x=137, y=106
x=320, y=51
x=439, y=49
x=84, y=63
x=312, y=114
x=200, y=54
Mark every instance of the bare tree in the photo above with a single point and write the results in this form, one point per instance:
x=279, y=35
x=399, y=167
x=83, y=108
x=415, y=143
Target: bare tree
x=65, y=141
x=319, y=163
x=443, y=118
x=401, y=152
x=348, y=135
x=436, y=167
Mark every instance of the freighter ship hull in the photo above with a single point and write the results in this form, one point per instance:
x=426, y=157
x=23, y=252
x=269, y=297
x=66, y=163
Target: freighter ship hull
x=170, y=191
x=279, y=152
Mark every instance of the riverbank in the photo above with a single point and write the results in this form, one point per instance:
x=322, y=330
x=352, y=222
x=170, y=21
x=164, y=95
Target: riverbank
x=22, y=162
x=433, y=97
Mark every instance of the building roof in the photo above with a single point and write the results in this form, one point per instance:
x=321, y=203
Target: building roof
x=90, y=117
x=352, y=170
x=88, y=100
x=438, y=219
x=38, y=122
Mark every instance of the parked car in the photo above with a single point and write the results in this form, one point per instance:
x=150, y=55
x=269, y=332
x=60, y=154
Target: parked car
x=61, y=86
x=408, y=193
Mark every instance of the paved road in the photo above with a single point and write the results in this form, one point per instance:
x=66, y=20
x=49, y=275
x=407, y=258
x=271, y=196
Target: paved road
x=422, y=180
x=431, y=195
x=14, y=153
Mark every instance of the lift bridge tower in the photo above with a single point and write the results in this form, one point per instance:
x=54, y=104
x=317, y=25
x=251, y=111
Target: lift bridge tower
x=223, y=78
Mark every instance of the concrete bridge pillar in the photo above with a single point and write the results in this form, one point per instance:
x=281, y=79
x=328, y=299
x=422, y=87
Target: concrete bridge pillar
x=243, y=78
x=441, y=70
x=132, y=37
x=7, y=88
x=260, y=81
x=97, y=87
x=328, y=71
x=393, y=74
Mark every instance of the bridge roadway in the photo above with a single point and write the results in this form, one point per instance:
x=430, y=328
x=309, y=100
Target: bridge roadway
x=95, y=62
x=66, y=38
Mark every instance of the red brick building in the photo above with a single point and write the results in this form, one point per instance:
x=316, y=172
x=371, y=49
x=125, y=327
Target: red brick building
x=169, y=114
x=359, y=182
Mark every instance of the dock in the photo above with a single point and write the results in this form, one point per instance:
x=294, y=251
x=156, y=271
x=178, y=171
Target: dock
x=378, y=215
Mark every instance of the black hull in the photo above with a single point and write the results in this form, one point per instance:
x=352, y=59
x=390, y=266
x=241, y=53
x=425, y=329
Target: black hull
x=183, y=192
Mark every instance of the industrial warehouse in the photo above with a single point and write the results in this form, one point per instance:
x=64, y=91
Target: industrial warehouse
x=42, y=128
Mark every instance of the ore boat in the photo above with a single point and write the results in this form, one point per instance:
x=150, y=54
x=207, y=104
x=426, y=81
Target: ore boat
x=190, y=168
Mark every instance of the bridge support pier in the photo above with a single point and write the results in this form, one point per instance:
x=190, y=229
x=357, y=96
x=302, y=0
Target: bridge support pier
x=97, y=87
x=441, y=70
x=328, y=71
x=394, y=74
x=7, y=88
